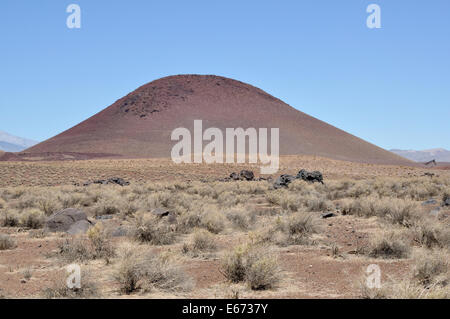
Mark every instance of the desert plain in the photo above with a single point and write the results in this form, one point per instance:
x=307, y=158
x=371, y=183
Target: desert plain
x=185, y=231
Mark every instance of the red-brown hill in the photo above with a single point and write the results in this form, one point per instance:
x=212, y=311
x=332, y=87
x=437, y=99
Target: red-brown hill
x=140, y=124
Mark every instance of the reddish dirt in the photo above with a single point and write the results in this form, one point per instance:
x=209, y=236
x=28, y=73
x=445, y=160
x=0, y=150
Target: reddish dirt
x=140, y=124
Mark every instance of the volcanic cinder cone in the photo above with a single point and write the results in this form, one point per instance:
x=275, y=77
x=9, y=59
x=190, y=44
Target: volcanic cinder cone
x=140, y=124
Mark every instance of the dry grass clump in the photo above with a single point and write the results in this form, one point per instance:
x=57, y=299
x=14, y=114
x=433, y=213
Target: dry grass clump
x=417, y=188
x=317, y=204
x=432, y=268
x=107, y=207
x=202, y=241
x=152, y=229
x=396, y=211
x=127, y=272
x=253, y=264
x=60, y=290
x=298, y=196
x=32, y=218
x=429, y=233
x=274, y=197
x=9, y=218
x=299, y=227
x=430, y=280
x=6, y=242
x=49, y=205
x=95, y=246
x=227, y=199
x=239, y=217
x=37, y=233
x=74, y=249
x=405, y=289
x=213, y=221
x=208, y=217
x=389, y=245
x=290, y=202
x=294, y=229
x=189, y=221
x=139, y=268
x=100, y=243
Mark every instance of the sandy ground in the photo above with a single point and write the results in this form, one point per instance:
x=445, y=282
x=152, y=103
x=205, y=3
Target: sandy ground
x=308, y=271
x=56, y=173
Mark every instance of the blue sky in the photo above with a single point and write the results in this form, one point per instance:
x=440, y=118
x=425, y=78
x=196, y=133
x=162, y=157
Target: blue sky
x=389, y=86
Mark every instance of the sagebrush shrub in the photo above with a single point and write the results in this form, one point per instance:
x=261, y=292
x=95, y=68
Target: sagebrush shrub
x=153, y=230
x=139, y=268
x=32, y=218
x=6, y=242
x=255, y=265
x=388, y=246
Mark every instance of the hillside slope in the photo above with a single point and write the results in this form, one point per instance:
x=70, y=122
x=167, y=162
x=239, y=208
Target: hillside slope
x=140, y=124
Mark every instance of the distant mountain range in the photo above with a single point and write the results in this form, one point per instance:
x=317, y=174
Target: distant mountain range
x=11, y=143
x=438, y=154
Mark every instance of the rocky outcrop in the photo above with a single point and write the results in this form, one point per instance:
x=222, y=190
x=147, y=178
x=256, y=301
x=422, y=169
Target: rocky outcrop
x=283, y=181
x=244, y=175
x=314, y=176
x=69, y=220
x=112, y=180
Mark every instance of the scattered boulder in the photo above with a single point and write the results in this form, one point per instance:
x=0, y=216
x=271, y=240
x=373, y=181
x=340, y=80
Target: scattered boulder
x=283, y=181
x=103, y=217
x=314, y=176
x=446, y=201
x=246, y=175
x=435, y=212
x=79, y=227
x=234, y=176
x=164, y=212
x=161, y=212
x=63, y=220
x=430, y=201
x=328, y=215
x=120, y=231
x=113, y=180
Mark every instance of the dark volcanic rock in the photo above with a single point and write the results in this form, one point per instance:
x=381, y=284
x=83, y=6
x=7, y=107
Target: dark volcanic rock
x=328, y=215
x=283, y=181
x=429, y=202
x=234, y=176
x=246, y=175
x=118, y=181
x=315, y=176
x=163, y=212
x=104, y=217
x=446, y=201
x=113, y=180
